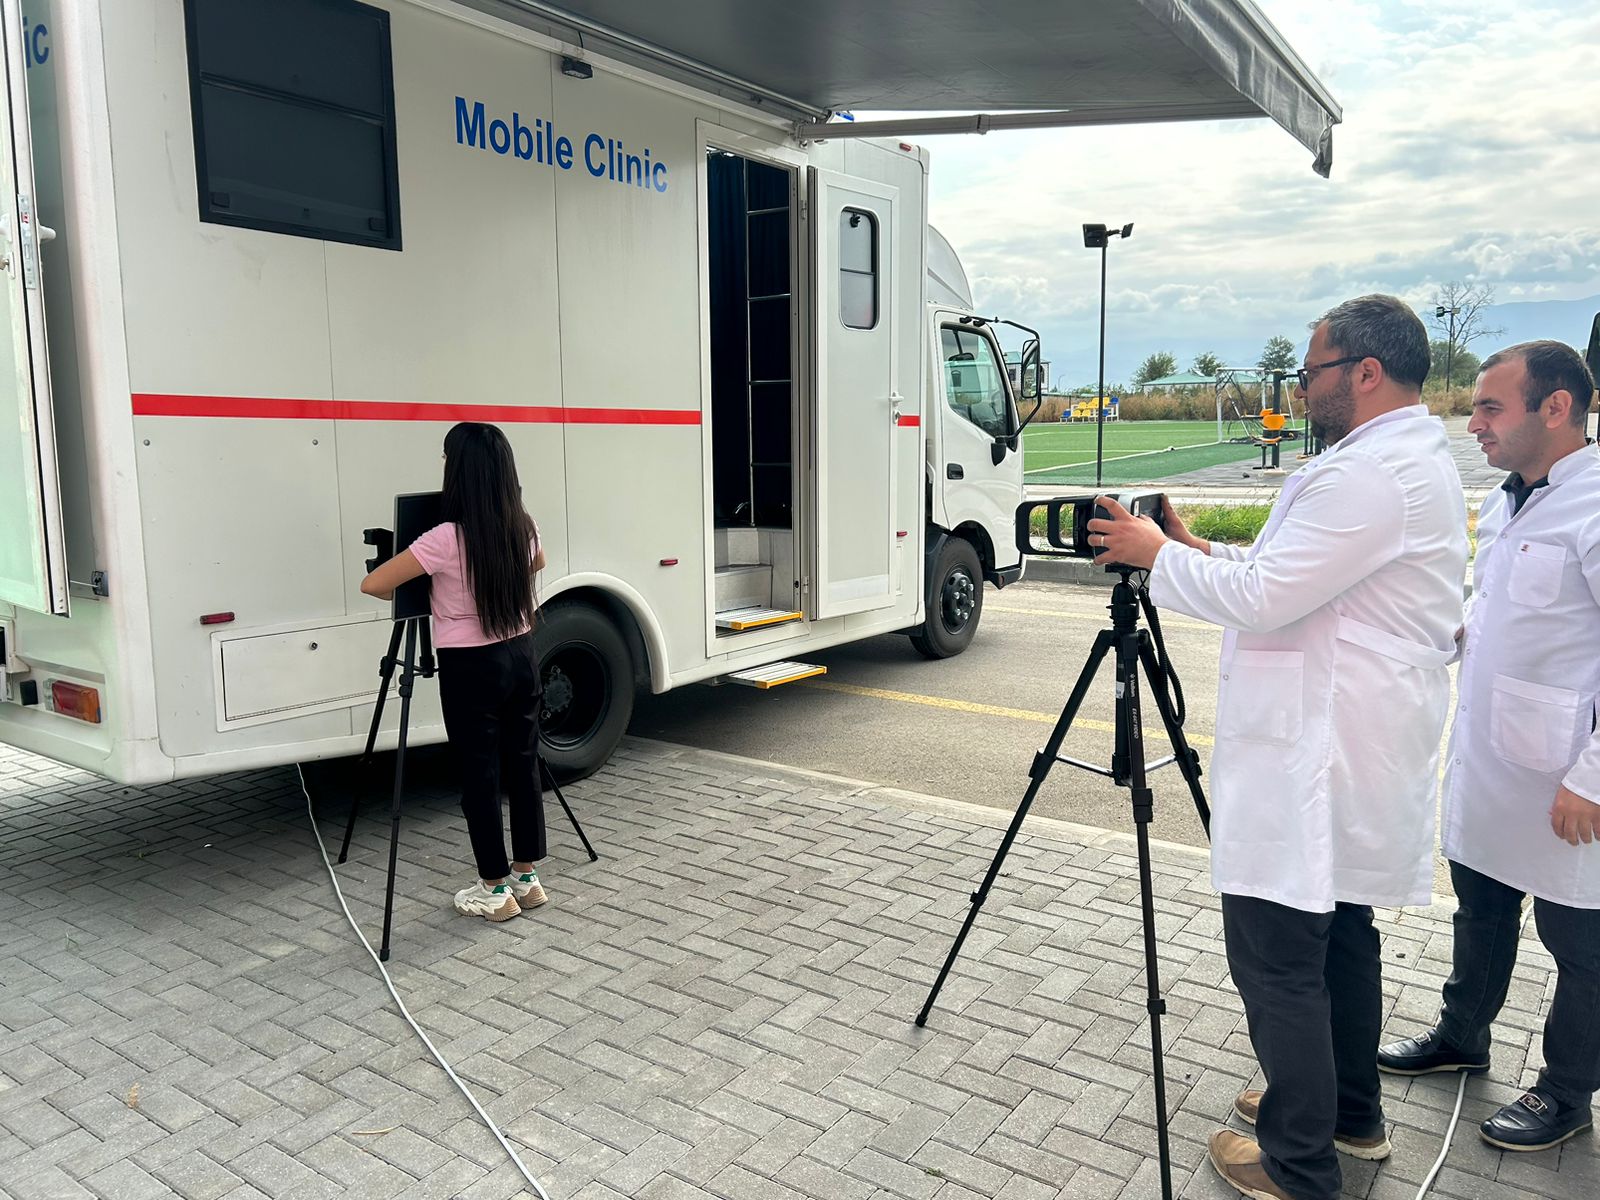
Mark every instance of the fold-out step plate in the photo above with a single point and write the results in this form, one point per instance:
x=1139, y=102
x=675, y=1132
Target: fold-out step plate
x=740, y=619
x=776, y=674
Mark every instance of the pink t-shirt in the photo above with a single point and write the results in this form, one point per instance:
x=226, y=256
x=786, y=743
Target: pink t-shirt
x=455, y=612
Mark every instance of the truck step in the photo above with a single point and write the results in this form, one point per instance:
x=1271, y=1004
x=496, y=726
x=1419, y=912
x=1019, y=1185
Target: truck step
x=740, y=619
x=776, y=674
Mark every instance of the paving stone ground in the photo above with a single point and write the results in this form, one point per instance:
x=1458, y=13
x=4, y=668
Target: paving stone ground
x=720, y=1007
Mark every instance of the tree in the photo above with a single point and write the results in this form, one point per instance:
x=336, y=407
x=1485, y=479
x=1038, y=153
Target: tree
x=1459, y=320
x=1277, y=354
x=1464, y=364
x=1157, y=366
x=1207, y=364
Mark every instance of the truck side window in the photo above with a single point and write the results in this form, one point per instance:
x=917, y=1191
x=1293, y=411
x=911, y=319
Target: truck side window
x=294, y=126
x=858, y=268
x=974, y=381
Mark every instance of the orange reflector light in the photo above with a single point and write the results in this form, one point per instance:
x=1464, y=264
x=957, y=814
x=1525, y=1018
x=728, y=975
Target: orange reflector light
x=221, y=618
x=75, y=700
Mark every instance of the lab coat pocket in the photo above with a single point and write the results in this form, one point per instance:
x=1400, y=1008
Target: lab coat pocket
x=1531, y=725
x=1263, y=697
x=1536, y=574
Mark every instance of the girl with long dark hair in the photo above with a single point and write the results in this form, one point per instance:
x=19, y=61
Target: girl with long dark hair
x=482, y=559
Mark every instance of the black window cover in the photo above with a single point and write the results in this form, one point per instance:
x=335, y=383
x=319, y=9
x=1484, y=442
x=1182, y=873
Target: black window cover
x=294, y=118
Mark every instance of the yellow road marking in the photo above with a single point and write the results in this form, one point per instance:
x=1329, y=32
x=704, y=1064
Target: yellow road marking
x=1166, y=622
x=1152, y=721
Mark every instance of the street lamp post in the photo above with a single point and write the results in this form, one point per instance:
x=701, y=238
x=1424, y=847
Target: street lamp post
x=1449, y=346
x=1098, y=237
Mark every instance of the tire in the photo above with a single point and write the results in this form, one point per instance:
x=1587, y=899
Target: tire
x=955, y=601
x=587, y=675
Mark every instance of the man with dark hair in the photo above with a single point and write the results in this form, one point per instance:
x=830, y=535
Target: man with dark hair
x=1523, y=773
x=1333, y=694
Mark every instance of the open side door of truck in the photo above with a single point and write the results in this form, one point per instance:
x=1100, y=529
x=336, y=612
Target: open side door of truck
x=33, y=554
x=858, y=405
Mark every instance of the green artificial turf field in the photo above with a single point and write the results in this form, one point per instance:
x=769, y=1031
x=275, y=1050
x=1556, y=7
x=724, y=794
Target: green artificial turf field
x=1135, y=451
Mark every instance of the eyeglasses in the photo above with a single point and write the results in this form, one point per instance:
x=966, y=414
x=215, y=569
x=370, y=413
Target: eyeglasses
x=1304, y=374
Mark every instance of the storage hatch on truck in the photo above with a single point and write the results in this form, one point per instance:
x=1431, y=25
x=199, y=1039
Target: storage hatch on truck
x=33, y=553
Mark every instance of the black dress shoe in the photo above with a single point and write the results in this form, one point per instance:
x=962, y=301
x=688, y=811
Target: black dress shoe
x=1426, y=1054
x=1534, y=1121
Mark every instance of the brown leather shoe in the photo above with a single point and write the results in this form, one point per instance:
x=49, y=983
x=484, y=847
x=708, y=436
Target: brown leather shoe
x=1247, y=1106
x=1238, y=1160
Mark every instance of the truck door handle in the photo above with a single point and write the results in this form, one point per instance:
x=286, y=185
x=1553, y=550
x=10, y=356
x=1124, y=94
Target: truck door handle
x=955, y=471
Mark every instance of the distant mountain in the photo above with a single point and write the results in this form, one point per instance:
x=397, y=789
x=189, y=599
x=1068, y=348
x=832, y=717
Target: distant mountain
x=1565, y=320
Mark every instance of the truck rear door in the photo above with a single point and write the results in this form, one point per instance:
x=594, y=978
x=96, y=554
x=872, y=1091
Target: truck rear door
x=858, y=401
x=33, y=556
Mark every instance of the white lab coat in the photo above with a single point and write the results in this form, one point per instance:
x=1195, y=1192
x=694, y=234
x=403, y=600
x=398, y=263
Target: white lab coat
x=1530, y=675
x=1334, y=687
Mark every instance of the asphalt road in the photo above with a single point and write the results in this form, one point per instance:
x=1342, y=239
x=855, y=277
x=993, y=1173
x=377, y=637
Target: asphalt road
x=965, y=728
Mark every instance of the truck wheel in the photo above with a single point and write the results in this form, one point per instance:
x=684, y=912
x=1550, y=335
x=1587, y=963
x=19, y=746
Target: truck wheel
x=587, y=674
x=956, y=601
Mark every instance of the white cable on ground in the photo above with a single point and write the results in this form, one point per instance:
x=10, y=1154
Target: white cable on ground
x=1444, y=1150
x=401, y=1004
x=1461, y=1095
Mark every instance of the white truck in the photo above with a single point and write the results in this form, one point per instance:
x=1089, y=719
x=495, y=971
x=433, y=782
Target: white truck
x=260, y=254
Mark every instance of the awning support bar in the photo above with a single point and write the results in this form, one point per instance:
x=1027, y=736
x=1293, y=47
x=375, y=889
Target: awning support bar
x=821, y=131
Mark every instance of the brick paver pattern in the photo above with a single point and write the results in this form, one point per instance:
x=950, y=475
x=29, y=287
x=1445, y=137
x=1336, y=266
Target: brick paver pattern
x=721, y=1007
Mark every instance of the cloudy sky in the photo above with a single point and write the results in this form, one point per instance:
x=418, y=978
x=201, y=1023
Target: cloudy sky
x=1470, y=150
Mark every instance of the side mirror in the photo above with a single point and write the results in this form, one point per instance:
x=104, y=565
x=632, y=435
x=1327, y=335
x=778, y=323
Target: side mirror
x=1032, y=383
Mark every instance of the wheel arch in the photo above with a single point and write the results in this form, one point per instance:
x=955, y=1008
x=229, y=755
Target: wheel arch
x=632, y=615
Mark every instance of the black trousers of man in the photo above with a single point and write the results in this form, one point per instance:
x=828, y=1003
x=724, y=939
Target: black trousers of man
x=1312, y=988
x=1488, y=922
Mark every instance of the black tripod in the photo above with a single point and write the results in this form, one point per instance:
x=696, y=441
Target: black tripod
x=418, y=637
x=1134, y=648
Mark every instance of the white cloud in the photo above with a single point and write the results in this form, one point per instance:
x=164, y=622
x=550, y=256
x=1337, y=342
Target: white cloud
x=1467, y=152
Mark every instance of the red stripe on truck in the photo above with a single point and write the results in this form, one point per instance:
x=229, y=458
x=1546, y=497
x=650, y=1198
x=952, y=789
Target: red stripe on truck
x=156, y=404
x=910, y=421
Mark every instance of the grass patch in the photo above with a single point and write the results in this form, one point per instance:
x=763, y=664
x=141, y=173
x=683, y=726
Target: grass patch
x=1237, y=523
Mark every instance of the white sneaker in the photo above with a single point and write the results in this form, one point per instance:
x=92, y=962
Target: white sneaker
x=491, y=903
x=527, y=889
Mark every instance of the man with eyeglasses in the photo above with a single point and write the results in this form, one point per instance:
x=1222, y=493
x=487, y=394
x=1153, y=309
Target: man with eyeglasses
x=1523, y=769
x=1334, y=688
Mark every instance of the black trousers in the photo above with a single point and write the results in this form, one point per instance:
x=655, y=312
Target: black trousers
x=1487, y=922
x=1313, y=994
x=490, y=696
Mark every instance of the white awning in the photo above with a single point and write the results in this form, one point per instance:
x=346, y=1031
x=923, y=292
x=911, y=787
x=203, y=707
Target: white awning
x=1020, y=63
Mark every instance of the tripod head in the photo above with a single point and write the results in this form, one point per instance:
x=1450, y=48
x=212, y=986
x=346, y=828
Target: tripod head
x=1127, y=596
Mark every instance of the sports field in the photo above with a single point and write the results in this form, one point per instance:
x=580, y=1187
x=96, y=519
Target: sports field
x=1135, y=451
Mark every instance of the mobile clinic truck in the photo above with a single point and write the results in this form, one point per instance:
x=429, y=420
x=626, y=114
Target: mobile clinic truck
x=259, y=254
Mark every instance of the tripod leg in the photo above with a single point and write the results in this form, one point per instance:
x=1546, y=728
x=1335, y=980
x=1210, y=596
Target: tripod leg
x=1129, y=720
x=385, y=674
x=1042, y=762
x=550, y=779
x=407, y=676
x=1188, y=761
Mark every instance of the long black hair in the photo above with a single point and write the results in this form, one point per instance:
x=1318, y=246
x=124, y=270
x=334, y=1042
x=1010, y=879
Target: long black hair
x=482, y=496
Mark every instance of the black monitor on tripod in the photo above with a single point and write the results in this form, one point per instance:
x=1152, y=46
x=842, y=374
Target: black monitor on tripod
x=414, y=514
